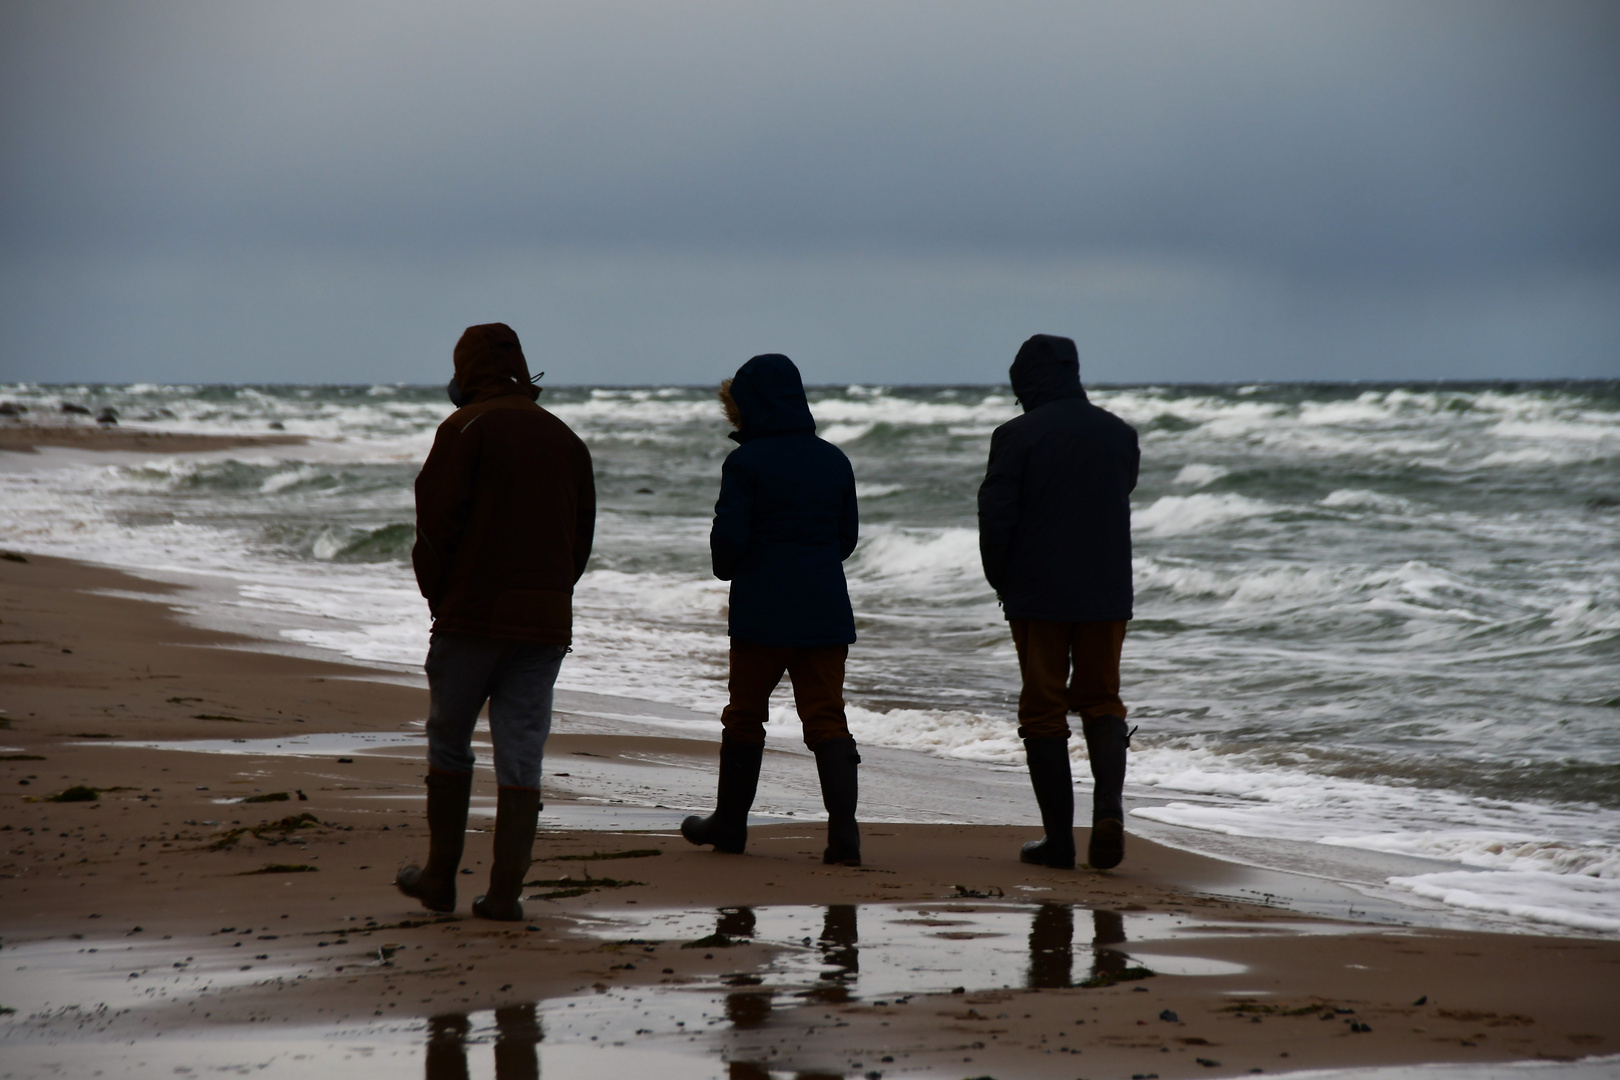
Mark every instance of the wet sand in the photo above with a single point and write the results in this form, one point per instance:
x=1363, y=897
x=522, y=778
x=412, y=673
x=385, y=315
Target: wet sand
x=26, y=438
x=203, y=909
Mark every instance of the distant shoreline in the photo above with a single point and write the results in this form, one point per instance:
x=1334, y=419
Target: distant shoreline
x=28, y=438
x=1221, y=384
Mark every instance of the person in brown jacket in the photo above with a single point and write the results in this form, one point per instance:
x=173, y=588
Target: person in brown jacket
x=505, y=512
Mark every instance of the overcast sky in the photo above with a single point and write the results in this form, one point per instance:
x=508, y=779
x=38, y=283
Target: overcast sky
x=310, y=190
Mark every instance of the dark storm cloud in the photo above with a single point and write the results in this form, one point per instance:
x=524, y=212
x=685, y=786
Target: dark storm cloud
x=1307, y=144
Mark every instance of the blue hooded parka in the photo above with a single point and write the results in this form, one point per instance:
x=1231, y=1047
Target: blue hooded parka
x=786, y=519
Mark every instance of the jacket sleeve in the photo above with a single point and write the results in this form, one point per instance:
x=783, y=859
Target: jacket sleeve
x=444, y=497
x=585, y=522
x=728, y=537
x=998, y=507
x=849, y=519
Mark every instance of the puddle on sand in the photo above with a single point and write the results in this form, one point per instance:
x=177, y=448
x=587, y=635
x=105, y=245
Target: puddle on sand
x=82, y=1007
x=846, y=952
x=332, y=744
x=504, y=1045
x=89, y=983
x=514, y=1044
x=720, y=1027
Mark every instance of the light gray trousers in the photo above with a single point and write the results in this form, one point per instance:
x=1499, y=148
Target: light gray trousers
x=516, y=678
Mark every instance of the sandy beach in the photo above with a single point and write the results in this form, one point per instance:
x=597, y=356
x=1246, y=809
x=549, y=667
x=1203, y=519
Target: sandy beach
x=254, y=887
x=26, y=438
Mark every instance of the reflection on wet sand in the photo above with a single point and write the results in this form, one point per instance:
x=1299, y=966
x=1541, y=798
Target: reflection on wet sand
x=745, y=1009
x=748, y=1070
x=827, y=972
x=1108, y=928
x=839, y=946
x=517, y=1039
x=840, y=949
x=1051, y=946
x=736, y=922
x=447, y=1047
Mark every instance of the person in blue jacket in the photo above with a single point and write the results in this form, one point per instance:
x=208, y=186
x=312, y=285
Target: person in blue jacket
x=784, y=524
x=1055, y=540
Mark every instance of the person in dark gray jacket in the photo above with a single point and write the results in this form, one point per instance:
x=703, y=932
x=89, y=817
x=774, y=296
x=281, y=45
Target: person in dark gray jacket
x=1055, y=540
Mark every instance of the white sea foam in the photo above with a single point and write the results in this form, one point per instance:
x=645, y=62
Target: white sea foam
x=1496, y=851
x=1525, y=868
x=1198, y=474
x=844, y=433
x=1360, y=498
x=945, y=733
x=935, y=558
x=1173, y=515
x=282, y=480
x=1578, y=903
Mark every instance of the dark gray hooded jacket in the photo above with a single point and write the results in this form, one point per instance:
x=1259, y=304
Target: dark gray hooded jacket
x=1055, y=507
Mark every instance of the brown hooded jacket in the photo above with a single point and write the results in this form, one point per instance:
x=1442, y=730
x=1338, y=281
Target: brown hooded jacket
x=505, y=504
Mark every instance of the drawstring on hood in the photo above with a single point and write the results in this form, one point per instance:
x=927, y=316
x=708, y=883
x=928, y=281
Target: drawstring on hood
x=766, y=397
x=489, y=364
x=1046, y=369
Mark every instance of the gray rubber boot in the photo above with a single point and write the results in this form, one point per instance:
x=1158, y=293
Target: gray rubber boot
x=517, y=811
x=1106, y=741
x=1053, y=782
x=435, y=884
x=837, y=763
x=727, y=827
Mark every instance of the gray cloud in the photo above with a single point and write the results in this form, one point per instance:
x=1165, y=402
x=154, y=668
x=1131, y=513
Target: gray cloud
x=1237, y=190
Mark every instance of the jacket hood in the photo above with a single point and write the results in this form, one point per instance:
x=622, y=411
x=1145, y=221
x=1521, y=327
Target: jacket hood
x=1047, y=368
x=770, y=399
x=490, y=364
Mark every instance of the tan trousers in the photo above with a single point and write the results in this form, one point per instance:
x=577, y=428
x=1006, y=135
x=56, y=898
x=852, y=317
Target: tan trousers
x=818, y=690
x=1067, y=667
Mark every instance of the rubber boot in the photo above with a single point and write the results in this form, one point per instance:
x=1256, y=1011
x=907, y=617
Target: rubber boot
x=435, y=884
x=1054, y=792
x=837, y=764
x=727, y=827
x=1106, y=742
x=517, y=810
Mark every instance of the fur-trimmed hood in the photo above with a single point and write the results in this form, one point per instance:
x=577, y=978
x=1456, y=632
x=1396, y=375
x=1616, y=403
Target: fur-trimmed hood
x=766, y=397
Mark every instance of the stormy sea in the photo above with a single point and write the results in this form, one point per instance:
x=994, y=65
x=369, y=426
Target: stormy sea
x=1374, y=617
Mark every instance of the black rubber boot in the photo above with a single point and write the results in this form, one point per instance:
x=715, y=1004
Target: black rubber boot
x=1054, y=791
x=1106, y=741
x=435, y=884
x=517, y=810
x=837, y=764
x=727, y=827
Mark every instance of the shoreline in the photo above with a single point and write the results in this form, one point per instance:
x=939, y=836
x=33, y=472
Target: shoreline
x=291, y=545
x=27, y=438
x=144, y=874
